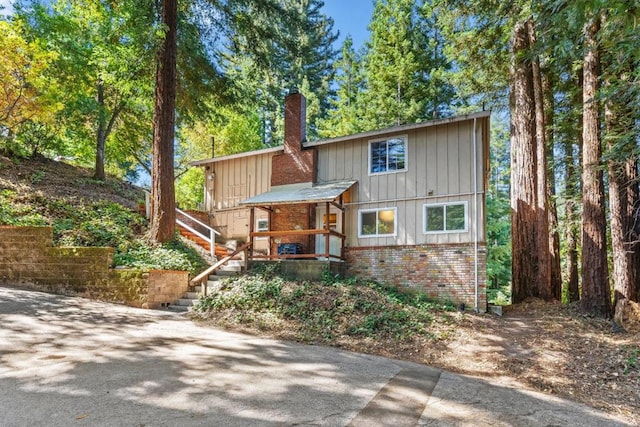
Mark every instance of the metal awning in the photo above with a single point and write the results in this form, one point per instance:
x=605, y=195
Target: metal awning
x=285, y=195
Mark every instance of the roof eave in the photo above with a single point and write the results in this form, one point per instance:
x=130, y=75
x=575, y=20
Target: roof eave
x=401, y=128
x=369, y=134
x=237, y=156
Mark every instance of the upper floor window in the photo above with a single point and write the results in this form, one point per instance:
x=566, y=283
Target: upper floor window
x=449, y=217
x=388, y=155
x=377, y=222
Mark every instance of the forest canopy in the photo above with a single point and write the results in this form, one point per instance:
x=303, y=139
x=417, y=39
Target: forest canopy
x=81, y=79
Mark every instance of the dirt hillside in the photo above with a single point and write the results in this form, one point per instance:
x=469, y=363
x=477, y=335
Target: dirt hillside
x=53, y=179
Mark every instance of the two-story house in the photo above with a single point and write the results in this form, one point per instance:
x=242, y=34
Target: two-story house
x=403, y=205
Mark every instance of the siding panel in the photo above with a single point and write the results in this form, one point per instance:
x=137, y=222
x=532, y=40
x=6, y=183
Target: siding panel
x=440, y=169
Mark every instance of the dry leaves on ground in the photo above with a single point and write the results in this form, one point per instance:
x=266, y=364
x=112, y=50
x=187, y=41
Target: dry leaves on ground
x=550, y=348
x=542, y=346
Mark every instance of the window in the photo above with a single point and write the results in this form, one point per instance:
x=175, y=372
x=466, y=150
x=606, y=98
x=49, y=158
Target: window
x=442, y=218
x=389, y=155
x=262, y=224
x=333, y=221
x=377, y=222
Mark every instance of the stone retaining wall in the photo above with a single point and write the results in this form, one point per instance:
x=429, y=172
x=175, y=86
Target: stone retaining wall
x=29, y=259
x=442, y=271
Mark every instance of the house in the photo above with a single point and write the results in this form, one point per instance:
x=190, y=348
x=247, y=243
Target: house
x=403, y=205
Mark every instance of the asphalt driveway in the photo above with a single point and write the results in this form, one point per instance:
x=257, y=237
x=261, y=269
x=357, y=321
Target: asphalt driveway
x=75, y=362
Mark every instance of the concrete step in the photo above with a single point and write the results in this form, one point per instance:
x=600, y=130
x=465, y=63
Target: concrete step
x=186, y=302
x=178, y=308
x=228, y=273
x=191, y=295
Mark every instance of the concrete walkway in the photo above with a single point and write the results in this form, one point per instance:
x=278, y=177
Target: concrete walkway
x=74, y=362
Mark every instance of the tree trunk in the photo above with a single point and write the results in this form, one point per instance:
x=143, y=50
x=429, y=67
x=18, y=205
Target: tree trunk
x=623, y=200
x=523, y=170
x=542, y=285
x=554, y=235
x=571, y=227
x=163, y=214
x=596, y=294
x=101, y=134
x=573, y=159
x=633, y=230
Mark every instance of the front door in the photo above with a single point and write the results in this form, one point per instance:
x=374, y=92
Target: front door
x=335, y=223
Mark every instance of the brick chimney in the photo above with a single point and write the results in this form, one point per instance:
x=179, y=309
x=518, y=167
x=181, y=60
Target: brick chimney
x=296, y=165
x=295, y=122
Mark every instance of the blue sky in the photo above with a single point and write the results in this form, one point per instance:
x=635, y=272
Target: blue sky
x=350, y=17
x=7, y=7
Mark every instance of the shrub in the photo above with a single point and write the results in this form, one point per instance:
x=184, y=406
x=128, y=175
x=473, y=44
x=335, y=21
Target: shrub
x=144, y=256
x=77, y=223
x=323, y=311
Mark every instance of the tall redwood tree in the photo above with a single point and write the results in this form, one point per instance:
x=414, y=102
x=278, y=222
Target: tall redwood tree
x=596, y=294
x=531, y=273
x=163, y=204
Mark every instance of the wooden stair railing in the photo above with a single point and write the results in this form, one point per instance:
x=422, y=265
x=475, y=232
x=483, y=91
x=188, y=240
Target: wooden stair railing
x=203, y=277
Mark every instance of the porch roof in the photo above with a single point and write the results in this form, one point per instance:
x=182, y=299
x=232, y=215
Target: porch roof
x=287, y=195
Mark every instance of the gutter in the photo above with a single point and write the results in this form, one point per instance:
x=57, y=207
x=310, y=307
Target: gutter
x=475, y=213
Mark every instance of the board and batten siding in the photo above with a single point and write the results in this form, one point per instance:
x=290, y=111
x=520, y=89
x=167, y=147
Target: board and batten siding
x=439, y=170
x=228, y=182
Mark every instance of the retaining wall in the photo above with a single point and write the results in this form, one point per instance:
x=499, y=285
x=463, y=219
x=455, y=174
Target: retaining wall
x=29, y=259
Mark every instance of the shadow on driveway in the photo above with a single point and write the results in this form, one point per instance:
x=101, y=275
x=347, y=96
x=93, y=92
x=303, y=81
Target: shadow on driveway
x=70, y=361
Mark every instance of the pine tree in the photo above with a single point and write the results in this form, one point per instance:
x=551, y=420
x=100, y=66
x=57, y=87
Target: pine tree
x=622, y=153
x=391, y=65
x=345, y=114
x=299, y=55
x=405, y=66
x=309, y=54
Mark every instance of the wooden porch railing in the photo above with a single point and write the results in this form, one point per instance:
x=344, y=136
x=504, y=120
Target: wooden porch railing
x=311, y=232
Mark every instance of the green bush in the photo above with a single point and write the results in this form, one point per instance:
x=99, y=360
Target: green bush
x=322, y=311
x=144, y=256
x=77, y=223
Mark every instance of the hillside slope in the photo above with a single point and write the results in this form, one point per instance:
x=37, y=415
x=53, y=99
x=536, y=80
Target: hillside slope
x=59, y=180
x=86, y=212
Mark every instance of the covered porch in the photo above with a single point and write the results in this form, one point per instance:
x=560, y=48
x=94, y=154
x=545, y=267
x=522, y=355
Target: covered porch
x=304, y=222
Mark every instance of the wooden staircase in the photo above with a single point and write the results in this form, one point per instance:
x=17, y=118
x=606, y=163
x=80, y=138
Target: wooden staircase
x=220, y=251
x=231, y=268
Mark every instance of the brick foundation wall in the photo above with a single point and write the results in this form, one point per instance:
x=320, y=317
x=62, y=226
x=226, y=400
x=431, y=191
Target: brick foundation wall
x=293, y=217
x=442, y=271
x=28, y=259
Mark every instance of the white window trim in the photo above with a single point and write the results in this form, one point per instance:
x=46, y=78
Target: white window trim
x=435, y=205
x=376, y=210
x=405, y=138
x=258, y=227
